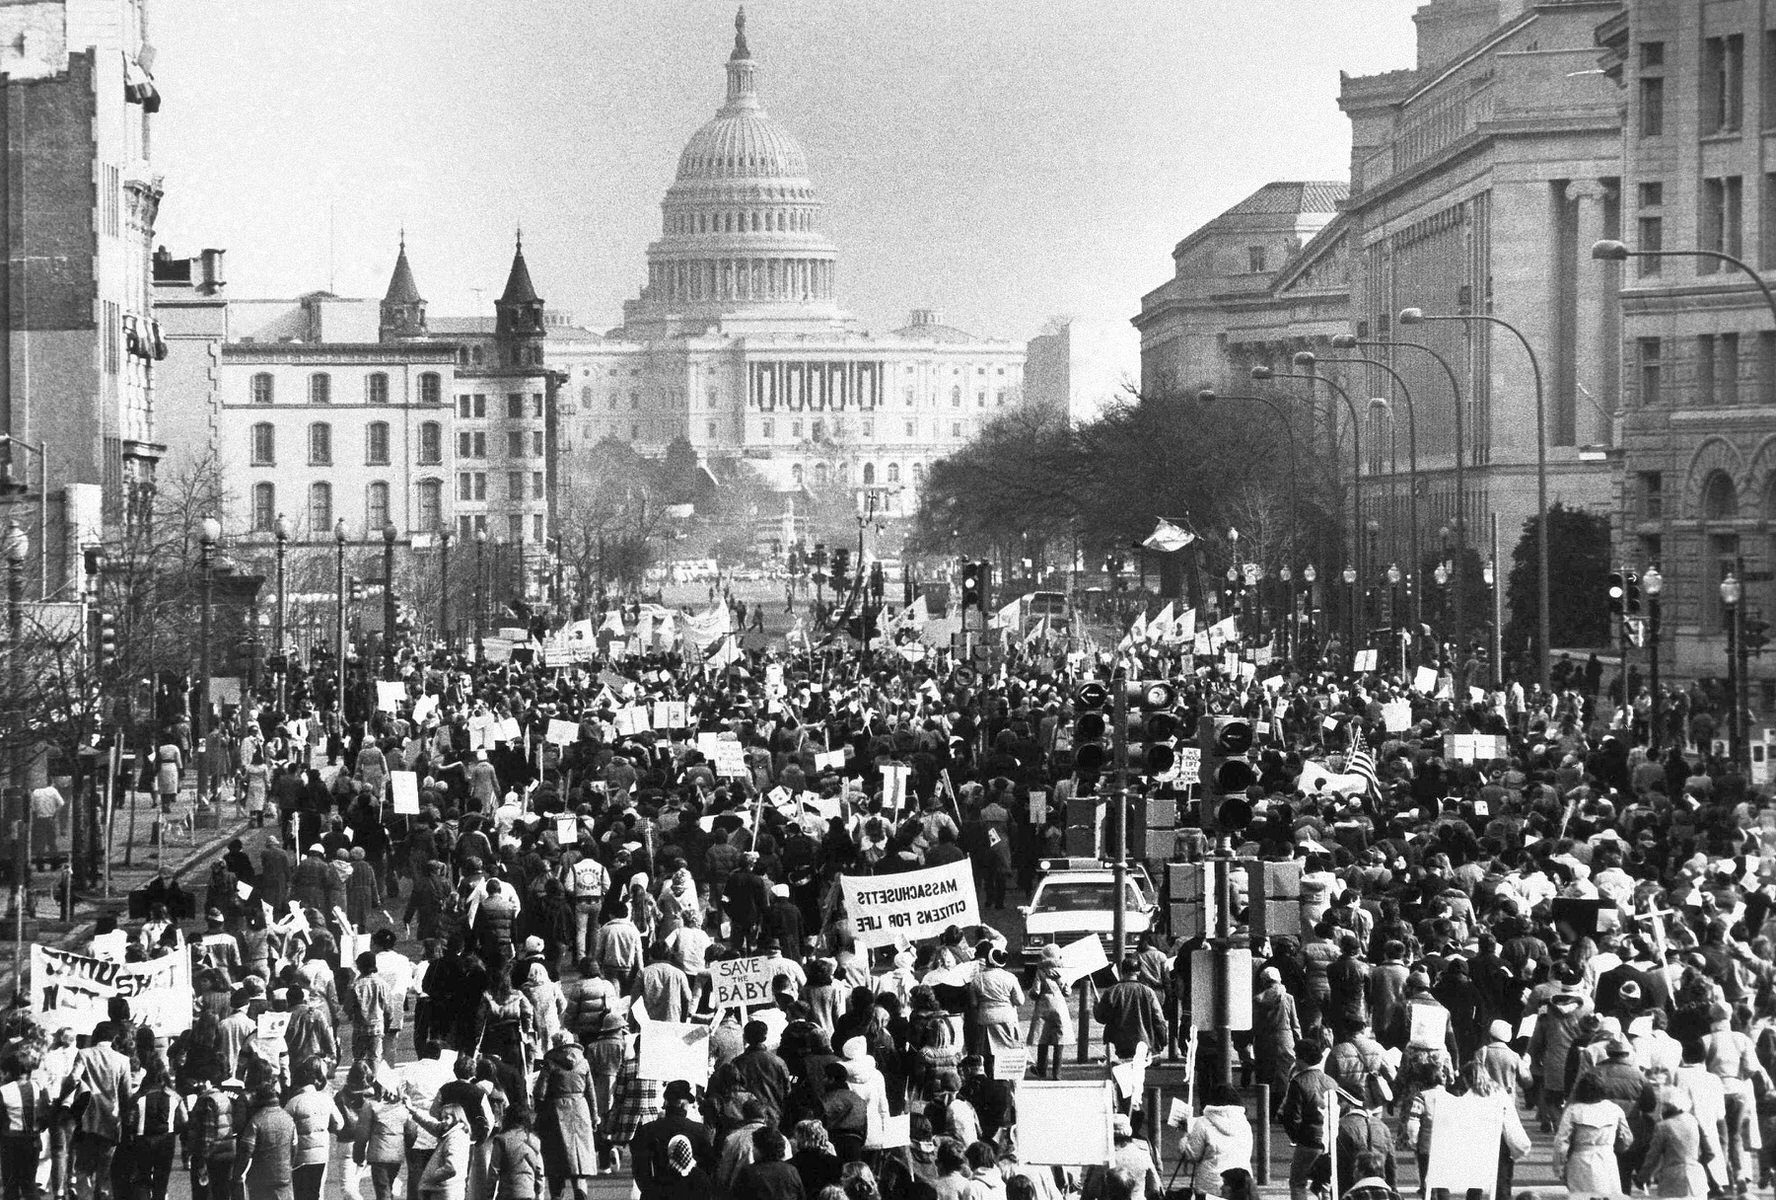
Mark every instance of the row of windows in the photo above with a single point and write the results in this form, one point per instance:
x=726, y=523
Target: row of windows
x=1720, y=222
x=1724, y=374
x=516, y=356
x=840, y=474
x=817, y=429
x=519, y=444
x=429, y=494
x=472, y=485
x=1721, y=86
x=467, y=527
x=781, y=220
x=473, y=406
x=320, y=444
x=320, y=388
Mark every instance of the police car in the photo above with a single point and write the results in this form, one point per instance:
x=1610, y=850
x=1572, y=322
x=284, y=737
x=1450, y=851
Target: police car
x=1077, y=896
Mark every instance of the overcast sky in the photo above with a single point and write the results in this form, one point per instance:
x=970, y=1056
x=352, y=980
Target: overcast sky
x=1000, y=160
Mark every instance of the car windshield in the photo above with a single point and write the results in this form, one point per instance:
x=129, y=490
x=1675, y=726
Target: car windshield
x=1081, y=895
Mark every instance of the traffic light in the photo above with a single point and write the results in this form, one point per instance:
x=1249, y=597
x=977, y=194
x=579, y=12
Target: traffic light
x=1618, y=594
x=1631, y=597
x=1754, y=634
x=357, y=588
x=974, y=585
x=820, y=556
x=1226, y=745
x=1152, y=727
x=1089, y=729
x=107, y=643
x=795, y=560
x=841, y=568
x=877, y=582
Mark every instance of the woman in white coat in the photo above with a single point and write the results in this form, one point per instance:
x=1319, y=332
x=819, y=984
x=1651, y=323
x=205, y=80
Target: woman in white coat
x=1592, y=1131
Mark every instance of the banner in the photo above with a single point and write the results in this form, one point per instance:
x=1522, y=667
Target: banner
x=911, y=905
x=72, y=990
x=741, y=981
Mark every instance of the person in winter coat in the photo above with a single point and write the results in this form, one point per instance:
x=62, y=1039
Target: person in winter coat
x=265, y=1150
x=994, y=997
x=363, y=890
x=446, y=1172
x=1218, y=1141
x=565, y=1102
x=1303, y=1114
x=1592, y=1131
x=1276, y=1027
x=1672, y=1165
x=1555, y=1031
x=317, y=1119
x=1051, y=1019
x=651, y=1149
x=517, y=1158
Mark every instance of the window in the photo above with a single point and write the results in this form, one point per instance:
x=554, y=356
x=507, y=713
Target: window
x=1766, y=367
x=480, y=406
x=980, y=398
x=463, y=405
x=536, y=443
x=264, y=444
x=710, y=427
x=264, y=507
x=634, y=431
x=536, y=485
x=1255, y=259
x=465, y=485
x=376, y=388
x=431, y=444
x=431, y=388
x=1719, y=221
x=480, y=445
x=999, y=398
x=1652, y=195
x=1652, y=106
x=477, y=355
x=1723, y=84
x=515, y=443
x=480, y=485
x=431, y=505
x=869, y=474
x=613, y=402
x=909, y=398
x=536, y=405
x=817, y=431
x=893, y=472
x=634, y=399
x=515, y=530
x=918, y=474
x=536, y=520
x=955, y=397
x=795, y=473
x=515, y=406
x=1651, y=392
x=1652, y=496
x=820, y=474
x=1767, y=225
x=263, y=389
x=955, y=429
x=1727, y=374
x=320, y=508
x=514, y=485
x=465, y=445
x=1652, y=237
x=909, y=429
x=376, y=444
x=376, y=506
x=1652, y=54
x=320, y=444
x=795, y=430
x=767, y=428
x=1705, y=369
x=320, y=388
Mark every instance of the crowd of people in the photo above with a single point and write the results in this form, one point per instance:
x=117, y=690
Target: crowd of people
x=1582, y=924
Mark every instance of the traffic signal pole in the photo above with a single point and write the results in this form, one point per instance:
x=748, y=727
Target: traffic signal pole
x=1119, y=799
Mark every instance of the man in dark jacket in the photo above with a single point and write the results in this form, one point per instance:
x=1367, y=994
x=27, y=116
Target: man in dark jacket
x=758, y=1071
x=746, y=898
x=1303, y=1114
x=647, y=1152
x=1131, y=1012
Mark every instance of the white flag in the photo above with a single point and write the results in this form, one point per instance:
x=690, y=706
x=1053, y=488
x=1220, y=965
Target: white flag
x=1160, y=628
x=1168, y=537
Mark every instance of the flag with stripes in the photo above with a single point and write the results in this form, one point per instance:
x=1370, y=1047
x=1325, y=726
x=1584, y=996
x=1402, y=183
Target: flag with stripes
x=1362, y=763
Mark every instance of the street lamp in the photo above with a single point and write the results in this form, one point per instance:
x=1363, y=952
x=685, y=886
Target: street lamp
x=1346, y=341
x=1416, y=316
x=339, y=610
x=480, y=585
x=1263, y=374
x=209, y=532
x=1306, y=358
x=1731, y=593
x=389, y=535
x=1610, y=250
x=1209, y=396
x=444, y=587
x=1308, y=576
x=1653, y=583
x=17, y=547
x=1372, y=532
x=281, y=530
x=1350, y=608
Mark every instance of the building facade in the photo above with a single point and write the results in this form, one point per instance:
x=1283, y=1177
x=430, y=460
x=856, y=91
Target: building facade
x=1081, y=367
x=78, y=209
x=1697, y=88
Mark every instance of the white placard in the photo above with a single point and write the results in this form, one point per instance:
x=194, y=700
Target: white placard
x=1425, y=680
x=1396, y=716
x=567, y=830
x=895, y=780
x=829, y=760
x=73, y=990
x=1465, y=1137
x=1081, y=958
x=1011, y=1064
x=390, y=694
x=740, y=982
x=911, y=905
x=405, y=786
x=673, y=1050
x=730, y=760
x=563, y=733
x=1065, y=1123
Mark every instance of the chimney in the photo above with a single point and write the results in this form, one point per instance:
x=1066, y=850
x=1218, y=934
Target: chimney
x=210, y=276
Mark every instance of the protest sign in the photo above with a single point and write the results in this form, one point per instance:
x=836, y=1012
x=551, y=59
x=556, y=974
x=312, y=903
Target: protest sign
x=1365, y=661
x=1425, y=680
x=829, y=760
x=741, y=981
x=424, y=709
x=1011, y=1064
x=72, y=990
x=1396, y=716
x=1082, y=958
x=1065, y=1123
x=406, y=791
x=567, y=830
x=674, y=1050
x=896, y=1132
x=1428, y=1025
x=563, y=733
x=912, y=904
x=389, y=694
x=730, y=760
x=895, y=777
x=1465, y=1137
x=269, y=1028
x=1038, y=806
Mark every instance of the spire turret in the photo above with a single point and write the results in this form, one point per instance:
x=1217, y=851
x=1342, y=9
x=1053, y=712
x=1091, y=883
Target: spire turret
x=518, y=312
x=403, y=309
x=742, y=71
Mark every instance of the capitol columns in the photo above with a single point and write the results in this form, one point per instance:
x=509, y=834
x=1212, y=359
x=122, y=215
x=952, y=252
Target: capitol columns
x=1594, y=337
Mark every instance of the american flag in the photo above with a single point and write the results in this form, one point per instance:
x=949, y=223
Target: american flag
x=1362, y=763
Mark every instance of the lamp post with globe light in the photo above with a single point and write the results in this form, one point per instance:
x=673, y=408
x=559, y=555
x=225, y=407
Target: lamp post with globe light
x=389, y=536
x=1731, y=593
x=339, y=612
x=1265, y=374
x=1308, y=576
x=1350, y=608
x=281, y=531
x=1653, y=584
x=209, y=532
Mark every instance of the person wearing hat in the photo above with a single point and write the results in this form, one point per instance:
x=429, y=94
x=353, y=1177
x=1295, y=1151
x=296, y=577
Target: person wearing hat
x=650, y=1153
x=993, y=998
x=745, y=899
x=1051, y=1020
x=1219, y=1142
x=1276, y=1027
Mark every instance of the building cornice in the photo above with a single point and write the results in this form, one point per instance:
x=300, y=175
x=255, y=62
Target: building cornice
x=434, y=354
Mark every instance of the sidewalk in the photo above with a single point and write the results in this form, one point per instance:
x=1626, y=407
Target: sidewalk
x=187, y=850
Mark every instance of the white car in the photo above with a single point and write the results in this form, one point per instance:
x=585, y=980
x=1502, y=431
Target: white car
x=1076, y=896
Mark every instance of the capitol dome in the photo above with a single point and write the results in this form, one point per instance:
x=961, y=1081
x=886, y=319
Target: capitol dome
x=738, y=224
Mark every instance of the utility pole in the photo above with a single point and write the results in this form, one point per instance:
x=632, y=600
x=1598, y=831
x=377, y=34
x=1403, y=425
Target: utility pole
x=1119, y=799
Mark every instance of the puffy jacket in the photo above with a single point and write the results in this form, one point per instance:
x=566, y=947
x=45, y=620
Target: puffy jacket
x=382, y=1140
x=1220, y=1141
x=1303, y=1114
x=587, y=1002
x=316, y=1118
x=1352, y=1063
x=493, y=919
x=1551, y=1043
